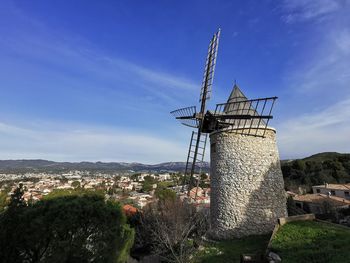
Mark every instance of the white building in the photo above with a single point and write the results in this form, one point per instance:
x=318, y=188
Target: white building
x=164, y=177
x=339, y=190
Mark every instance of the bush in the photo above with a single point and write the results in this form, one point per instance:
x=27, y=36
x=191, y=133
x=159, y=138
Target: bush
x=171, y=229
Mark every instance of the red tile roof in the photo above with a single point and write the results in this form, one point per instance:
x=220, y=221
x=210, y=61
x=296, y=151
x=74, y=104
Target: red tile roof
x=129, y=210
x=320, y=198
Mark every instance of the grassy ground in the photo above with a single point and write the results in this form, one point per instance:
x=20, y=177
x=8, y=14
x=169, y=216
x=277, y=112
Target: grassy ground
x=230, y=251
x=309, y=241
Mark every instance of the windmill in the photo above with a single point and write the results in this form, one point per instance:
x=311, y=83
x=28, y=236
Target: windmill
x=238, y=113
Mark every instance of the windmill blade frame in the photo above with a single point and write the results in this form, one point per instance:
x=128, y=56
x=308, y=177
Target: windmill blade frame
x=204, y=96
x=187, y=116
x=209, y=68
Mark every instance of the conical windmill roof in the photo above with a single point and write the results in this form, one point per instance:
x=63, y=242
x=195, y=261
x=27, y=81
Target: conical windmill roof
x=237, y=105
x=236, y=95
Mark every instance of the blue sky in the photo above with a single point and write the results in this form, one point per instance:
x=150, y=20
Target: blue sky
x=96, y=80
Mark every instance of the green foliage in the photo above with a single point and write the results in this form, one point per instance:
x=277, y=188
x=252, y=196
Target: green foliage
x=203, y=182
x=79, y=227
x=147, y=184
x=128, y=201
x=309, y=241
x=165, y=184
x=3, y=200
x=165, y=194
x=17, y=197
x=72, y=192
x=316, y=170
x=298, y=165
x=134, y=177
x=230, y=250
x=76, y=184
x=111, y=190
x=177, y=178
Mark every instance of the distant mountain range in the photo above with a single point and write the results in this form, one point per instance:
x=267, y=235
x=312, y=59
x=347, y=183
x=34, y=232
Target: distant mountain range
x=318, y=168
x=23, y=166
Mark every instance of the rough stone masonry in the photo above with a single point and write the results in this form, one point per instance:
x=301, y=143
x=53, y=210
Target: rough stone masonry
x=247, y=189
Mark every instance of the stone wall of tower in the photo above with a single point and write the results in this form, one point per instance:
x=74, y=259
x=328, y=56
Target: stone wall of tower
x=247, y=188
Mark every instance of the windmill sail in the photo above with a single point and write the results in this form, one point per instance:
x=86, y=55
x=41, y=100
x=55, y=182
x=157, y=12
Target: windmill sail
x=199, y=137
x=209, y=68
x=187, y=116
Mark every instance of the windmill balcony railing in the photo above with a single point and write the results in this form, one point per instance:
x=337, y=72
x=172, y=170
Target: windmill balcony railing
x=246, y=117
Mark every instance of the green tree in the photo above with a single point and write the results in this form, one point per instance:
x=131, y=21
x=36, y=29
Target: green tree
x=78, y=227
x=165, y=194
x=298, y=165
x=17, y=197
x=147, y=184
x=134, y=177
x=76, y=184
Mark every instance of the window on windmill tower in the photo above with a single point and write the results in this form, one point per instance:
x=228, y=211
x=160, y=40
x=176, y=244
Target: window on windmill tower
x=318, y=190
x=332, y=192
x=213, y=147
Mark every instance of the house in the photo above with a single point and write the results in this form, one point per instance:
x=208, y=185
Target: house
x=142, y=176
x=339, y=190
x=320, y=203
x=196, y=191
x=136, y=186
x=141, y=199
x=164, y=177
x=126, y=186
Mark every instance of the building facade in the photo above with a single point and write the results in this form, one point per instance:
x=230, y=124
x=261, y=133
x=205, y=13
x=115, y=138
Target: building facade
x=339, y=190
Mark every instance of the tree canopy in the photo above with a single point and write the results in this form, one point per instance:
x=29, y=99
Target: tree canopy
x=147, y=184
x=316, y=170
x=68, y=228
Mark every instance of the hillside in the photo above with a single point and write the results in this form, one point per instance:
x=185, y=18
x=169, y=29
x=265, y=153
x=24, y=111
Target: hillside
x=23, y=166
x=329, y=167
x=326, y=156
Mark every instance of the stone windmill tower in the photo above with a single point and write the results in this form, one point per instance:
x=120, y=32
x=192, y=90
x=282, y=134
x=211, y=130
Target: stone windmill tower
x=247, y=191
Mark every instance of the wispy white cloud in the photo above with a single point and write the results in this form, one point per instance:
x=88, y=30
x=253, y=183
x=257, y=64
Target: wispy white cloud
x=67, y=142
x=161, y=78
x=74, y=57
x=327, y=67
x=326, y=130
x=304, y=10
x=317, y=81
